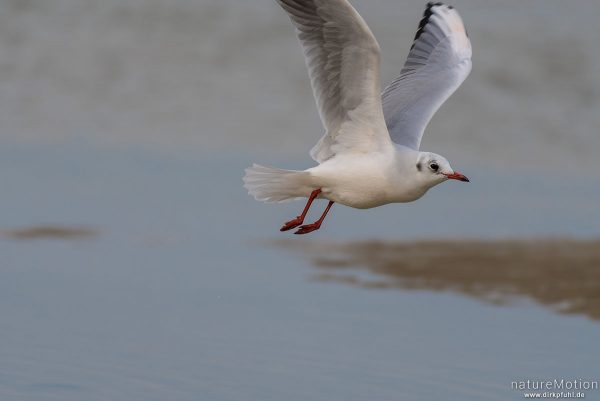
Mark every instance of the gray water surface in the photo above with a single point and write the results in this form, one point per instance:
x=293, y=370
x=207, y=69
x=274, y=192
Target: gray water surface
x=182, y=295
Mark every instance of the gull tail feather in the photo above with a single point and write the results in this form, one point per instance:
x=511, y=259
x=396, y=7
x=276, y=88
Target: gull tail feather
x=269, y=184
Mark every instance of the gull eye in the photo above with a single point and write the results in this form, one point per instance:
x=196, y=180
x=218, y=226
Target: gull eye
x=434, y=166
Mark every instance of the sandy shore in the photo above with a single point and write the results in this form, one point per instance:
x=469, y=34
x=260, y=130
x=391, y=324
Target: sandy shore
x=561, y=274
x=48, y=232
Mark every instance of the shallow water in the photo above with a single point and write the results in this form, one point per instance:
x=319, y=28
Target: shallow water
x=135, y=266
x=560, y=273
x=182, y=295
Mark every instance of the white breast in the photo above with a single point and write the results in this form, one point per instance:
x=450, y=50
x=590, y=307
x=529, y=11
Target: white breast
x=365, y=181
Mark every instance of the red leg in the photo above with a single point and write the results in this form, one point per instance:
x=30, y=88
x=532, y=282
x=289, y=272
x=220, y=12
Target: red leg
x=300, y=219
x=308, y=228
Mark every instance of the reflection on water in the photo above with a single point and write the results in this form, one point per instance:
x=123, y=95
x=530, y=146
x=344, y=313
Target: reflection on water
x=562, y=274
x=48, y=232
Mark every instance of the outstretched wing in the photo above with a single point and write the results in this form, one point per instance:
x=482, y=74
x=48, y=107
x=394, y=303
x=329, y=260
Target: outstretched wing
x=438, y=62
x=342, y=56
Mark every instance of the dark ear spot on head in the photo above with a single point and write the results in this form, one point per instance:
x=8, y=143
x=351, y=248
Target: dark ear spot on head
x=419, y=166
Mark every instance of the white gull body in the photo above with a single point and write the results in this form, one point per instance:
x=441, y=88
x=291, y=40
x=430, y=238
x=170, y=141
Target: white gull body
x=369, y=155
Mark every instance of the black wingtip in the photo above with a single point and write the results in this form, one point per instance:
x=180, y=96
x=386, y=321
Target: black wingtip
x=425, y=19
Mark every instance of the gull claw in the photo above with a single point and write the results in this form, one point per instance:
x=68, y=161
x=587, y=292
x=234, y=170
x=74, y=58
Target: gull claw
x=292, y=224
x=308, y=228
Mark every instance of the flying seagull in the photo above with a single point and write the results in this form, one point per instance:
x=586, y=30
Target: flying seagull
x=369, y=155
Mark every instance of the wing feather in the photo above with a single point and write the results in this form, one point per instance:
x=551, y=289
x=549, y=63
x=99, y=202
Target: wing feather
x=342, y=57
x=438, y=62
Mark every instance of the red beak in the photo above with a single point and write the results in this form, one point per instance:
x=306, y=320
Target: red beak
x=457, y=176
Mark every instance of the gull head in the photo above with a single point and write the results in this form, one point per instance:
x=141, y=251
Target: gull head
x=435, y=169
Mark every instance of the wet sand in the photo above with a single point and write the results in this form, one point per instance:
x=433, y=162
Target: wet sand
x=561, y=274
x=48, y=232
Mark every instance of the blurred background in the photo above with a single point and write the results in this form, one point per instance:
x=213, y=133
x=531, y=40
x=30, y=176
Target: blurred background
x=135, y=266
